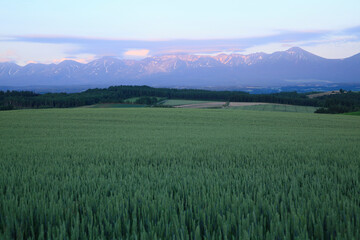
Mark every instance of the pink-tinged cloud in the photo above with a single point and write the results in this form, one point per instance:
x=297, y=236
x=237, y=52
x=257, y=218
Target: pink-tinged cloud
x=137, y=53
x=28, y=62
x=79, y=59
x=9, y=56
x=84, y=60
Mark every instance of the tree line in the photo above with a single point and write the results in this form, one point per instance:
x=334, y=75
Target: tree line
x=345, y=102
x=339, y=103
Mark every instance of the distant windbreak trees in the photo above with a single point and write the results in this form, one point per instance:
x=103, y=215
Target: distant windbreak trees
x=339, y=103
x=146, y=95
x=9, y=100
x=146, y=100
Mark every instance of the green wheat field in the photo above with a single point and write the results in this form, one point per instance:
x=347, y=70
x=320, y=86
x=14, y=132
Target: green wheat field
x=162, y=173
x=278, y=108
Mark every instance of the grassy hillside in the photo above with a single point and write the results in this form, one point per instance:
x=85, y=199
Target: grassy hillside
x=353, y=113
x=109, y=173
x=278, y=108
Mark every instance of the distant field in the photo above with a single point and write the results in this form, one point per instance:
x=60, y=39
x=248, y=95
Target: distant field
x=212, y=104
x=321, y=94
x=173, y=173
x=203, y=105
x=278, y=108
x=353, y=113
x=114, y=105
x=257, y=106
x=177, y=102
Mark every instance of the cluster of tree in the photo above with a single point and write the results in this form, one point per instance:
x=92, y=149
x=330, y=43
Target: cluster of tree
x=345, y=102
x=146, y=100
x=339, y=103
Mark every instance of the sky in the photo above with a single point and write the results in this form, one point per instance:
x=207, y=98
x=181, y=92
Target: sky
x=50, y=31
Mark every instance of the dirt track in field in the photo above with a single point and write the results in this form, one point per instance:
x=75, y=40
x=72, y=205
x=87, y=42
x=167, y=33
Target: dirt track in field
x=240, y=104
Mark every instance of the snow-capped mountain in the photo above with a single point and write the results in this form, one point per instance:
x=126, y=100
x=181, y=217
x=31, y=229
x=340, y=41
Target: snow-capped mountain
x=294, y=66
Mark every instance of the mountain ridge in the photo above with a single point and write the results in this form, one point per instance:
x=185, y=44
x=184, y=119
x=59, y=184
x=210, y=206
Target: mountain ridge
x=256, y=69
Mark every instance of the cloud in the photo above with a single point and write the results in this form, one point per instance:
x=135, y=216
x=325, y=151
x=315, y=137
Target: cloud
x=332, y=46
x=352, y=31
x=137, y=53
x=28, y=62
x=84, y=58
x=49, y=48
x=9, y=56
x=120, y=47
x=23, y=52
x=335, y=50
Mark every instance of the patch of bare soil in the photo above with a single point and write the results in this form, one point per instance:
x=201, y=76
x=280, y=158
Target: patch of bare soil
x=240, y=104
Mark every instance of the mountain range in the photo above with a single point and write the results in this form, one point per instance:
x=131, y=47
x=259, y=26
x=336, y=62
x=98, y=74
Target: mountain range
x=294, y=66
